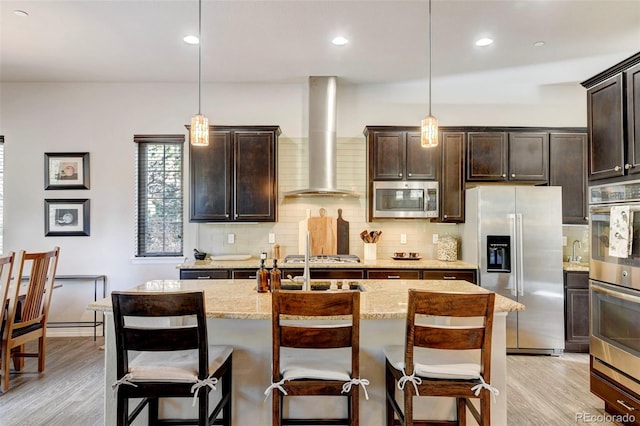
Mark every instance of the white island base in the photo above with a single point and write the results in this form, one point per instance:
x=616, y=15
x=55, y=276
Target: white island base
x=251, y=340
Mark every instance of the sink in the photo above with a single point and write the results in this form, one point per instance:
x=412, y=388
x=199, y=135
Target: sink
x=320, y=286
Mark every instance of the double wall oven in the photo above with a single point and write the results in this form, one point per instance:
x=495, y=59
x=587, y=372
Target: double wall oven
x=615, y=296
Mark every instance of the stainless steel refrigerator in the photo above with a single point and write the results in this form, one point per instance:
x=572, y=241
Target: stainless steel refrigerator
x=514, y=235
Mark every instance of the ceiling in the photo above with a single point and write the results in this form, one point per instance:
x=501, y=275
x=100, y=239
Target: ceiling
x=272, y=41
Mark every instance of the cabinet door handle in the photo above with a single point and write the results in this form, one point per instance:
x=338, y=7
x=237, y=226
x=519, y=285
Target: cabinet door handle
x=627, y=166
x=616, y=168
x=226, y=215
x=444, y=216
x=625, y=405
x=399, y=174
x=504, y=175
x=513, y=175
x=449, y=277
x=392, y=276
x=409, y=174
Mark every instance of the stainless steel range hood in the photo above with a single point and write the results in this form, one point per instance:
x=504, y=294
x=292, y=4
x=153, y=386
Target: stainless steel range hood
x=322, y=141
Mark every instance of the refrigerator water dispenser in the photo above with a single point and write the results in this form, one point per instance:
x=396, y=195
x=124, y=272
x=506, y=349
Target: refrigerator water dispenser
x=498, y=253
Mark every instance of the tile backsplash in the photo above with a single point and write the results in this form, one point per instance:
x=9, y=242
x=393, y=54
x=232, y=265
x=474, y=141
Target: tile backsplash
x=576, y=233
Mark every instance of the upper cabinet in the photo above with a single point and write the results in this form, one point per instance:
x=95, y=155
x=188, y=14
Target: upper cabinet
x=234, y=178
x=508, y=156
x=395, y=153
x=613, y=117
x=568, y=169
x=452, y=181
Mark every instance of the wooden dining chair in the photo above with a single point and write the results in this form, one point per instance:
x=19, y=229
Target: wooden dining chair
x=28, y=310
x=6, y=267
x=312, y=374
x=435, y=371
x=173, y=361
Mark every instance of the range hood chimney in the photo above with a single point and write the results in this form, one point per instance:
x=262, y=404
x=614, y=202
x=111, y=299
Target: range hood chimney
x=322, y=141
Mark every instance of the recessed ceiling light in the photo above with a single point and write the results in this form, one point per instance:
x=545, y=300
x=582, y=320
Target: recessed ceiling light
x=538, y=43
x=339, y=41
x=484, y=42
x=191, y=39
x=20, y=13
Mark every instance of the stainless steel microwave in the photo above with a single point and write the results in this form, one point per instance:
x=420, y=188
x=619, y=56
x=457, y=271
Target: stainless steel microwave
x=405, y=200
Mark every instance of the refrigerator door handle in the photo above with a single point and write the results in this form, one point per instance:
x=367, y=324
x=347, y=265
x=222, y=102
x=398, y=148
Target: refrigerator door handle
x=512, y=222
x=520, y=249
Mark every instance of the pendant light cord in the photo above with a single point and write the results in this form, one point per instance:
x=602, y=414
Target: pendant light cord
x=200, y=55
x=430, y=37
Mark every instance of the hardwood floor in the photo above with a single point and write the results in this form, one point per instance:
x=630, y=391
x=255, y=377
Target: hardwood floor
x=542, y=390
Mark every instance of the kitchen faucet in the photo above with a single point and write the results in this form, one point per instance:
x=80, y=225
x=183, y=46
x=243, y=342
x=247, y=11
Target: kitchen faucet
x=575, y=258
x=306, y=275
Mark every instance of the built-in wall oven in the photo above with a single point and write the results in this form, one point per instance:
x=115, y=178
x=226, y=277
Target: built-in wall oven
x=614, y=272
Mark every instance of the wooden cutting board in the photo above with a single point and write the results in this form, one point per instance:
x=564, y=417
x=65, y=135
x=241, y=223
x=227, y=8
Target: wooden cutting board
x=343, y=234
x=323, y=234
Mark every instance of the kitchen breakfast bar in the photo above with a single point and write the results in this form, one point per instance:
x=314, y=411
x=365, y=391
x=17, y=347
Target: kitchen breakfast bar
x=240, y=317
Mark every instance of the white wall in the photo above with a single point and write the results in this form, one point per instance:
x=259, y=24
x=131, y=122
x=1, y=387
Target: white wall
x=101, y=118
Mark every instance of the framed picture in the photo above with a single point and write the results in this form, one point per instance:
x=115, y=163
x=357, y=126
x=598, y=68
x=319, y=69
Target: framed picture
x=66, y=170
x=69, y=217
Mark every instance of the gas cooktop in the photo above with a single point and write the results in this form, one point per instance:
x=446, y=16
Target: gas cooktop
x=328, y=258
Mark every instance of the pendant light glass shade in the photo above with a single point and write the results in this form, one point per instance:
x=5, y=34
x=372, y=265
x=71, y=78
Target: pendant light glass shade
x=429, y=125
x=199, y=130
x=429, y=132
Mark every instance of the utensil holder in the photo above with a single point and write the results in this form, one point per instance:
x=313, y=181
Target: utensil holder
x=370, y=251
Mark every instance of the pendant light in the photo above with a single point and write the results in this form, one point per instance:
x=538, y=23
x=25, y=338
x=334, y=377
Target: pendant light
x=199, y=131
x=429, y=126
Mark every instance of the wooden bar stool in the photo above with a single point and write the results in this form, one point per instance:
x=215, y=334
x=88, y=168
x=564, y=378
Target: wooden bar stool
x=432, y=372
x=174, y=361
x=28, y=311
x=310, y=373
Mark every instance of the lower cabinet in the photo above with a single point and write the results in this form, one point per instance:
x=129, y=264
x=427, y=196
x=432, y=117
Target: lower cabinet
x=335, y=274
x=576, y=310
x=617, y=400
x=450, y=274
x=393, y=274
x=204, y=274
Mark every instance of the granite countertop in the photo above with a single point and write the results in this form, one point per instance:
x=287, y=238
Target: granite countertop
x=575, y=267
x=363, y=264
x=238, y=299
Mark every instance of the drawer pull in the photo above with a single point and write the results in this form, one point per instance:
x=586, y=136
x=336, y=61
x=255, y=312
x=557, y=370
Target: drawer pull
x=204, y=277
x=625, y=405
x=252, y=277
x=449, y=277
x=393, y=276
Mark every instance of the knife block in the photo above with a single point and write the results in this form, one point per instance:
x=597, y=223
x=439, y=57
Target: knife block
x=370, y=251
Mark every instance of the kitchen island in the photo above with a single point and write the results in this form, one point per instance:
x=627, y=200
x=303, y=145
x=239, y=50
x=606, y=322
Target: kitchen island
x=239, y=316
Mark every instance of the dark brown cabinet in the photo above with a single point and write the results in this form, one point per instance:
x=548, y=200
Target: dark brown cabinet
x=576, y=304
x=617, y=399
x=395, y=153
x=486, y=156
x=204, y=274
x=234, y=178
x=513, y=156
x=568, y=169
x=393, y=274
x=606, y=129
x=613, y=117
x=450, y=274
x=452, y=176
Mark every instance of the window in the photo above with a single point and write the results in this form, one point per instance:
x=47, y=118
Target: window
x=159, y=196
